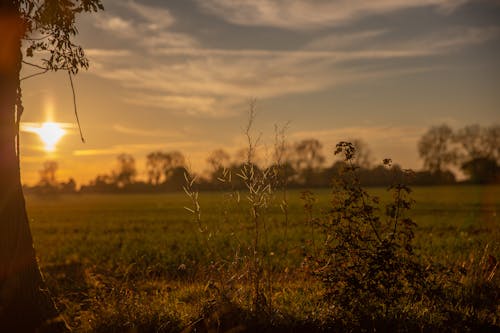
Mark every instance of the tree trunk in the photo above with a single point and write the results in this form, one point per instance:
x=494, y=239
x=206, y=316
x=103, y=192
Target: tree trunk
x=25, y=303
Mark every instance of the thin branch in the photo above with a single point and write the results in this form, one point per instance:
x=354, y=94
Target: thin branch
x=34, y=65
x=33, y=75
x=34, y=39
x=74, y=106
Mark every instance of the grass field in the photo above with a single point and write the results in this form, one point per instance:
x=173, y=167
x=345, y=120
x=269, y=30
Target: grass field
x=139, y=262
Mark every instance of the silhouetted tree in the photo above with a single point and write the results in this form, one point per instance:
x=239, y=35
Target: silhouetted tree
x=155, y=167
x=176, y=180
x=218, y=158
x=101, y=183
x=126, y=171
x=173, y=160
x=482, y=170
x=472, y=141
x=428, y=178
x=479, y=142
x=69, y=186
x=492, y=141
x=47, y=26
x=363, y=157
x=308, y=158
x=48, y=174
x=479, y=152
x=435, y=148
x=159, y=165
x=282, y=174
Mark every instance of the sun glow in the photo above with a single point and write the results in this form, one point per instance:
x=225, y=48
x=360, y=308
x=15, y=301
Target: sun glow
x=49, y=132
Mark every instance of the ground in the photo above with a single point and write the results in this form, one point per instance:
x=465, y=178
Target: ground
x=140, y=262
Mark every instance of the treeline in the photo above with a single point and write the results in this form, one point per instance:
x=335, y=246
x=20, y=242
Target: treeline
x=472, y=149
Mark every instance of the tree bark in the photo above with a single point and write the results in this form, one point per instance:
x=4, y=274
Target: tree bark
x=25, y=303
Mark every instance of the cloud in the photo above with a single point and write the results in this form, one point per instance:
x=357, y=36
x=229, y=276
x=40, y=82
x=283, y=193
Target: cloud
x=118, y=26
x=145, y=148
x=185, y=104
x=456, y=38
x=310, y=14
x=156, y=18
x=336, y=41
x=181, y=76
x=107, y=53
x=148, y=27
x=402, y=134
x=146, y=132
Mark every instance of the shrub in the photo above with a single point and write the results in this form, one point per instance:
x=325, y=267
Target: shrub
x=367, y=262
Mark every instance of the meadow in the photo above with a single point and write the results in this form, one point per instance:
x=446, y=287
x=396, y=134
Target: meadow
x=143, y=263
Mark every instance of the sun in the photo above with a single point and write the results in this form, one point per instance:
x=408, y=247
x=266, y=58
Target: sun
x=50, y=133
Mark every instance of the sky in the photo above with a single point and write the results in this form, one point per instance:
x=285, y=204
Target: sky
x=180, y=75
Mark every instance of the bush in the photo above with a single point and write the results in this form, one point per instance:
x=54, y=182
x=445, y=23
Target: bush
x=367, y=263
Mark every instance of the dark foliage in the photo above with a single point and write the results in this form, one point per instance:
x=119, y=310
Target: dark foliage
x=367, y=263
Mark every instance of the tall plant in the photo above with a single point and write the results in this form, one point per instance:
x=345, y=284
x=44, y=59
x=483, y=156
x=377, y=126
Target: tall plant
x=367, y=263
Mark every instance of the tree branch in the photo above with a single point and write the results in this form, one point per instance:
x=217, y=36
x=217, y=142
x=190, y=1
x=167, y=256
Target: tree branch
x=34, y=65
x=74, y=106
x=33, y=75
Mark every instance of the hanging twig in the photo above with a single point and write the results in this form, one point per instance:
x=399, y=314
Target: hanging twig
x=74, y=106
x=33, y=75
x=34, y=65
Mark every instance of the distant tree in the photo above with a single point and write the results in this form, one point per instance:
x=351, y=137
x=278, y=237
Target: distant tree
x=217, y=159
x=479, y=152
x=492, y=142
x=48, y=174
x=176, y=180
x=102, y=180
x=126, y=171
x=429, y=178
x=308, y=158
x=482, y=170
x=479, y=142
x=282, y=174
x=436, y=148
x=69, y=186
x=159, y=165
x=47, y=28
x=173, y=160
x=363, y=157
x=472, y=141
x=155, y=165
x=333, y=172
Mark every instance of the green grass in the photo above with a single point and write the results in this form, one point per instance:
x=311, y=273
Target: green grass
x=119, y=262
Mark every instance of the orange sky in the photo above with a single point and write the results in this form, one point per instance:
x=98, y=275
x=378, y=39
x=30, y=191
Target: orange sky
x=178, y=75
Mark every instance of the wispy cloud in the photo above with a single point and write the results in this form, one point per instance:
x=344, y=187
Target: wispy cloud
x=336, y=41
x=156, y=18
x=369, y=133
x=107, y=53
x=184, y=77
x=145, y=148
x=146, y=132
x=147, y=27
x=306, y=14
